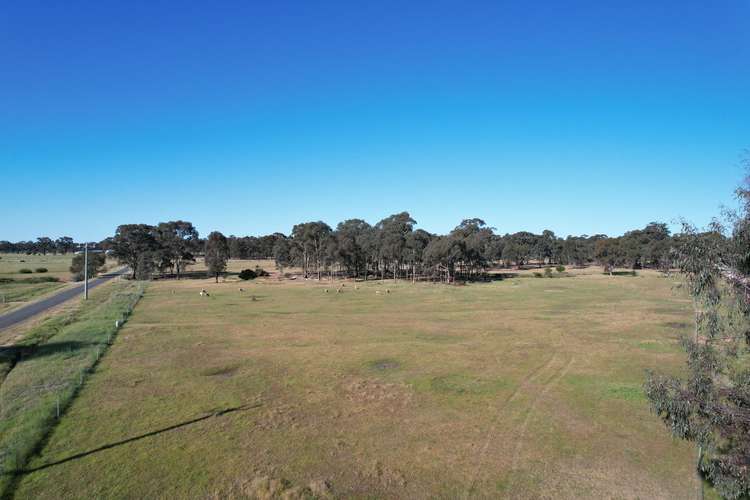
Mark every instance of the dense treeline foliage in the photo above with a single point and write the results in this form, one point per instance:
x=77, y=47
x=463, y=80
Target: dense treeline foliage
x=43, y=245
x=393, y=248
x=710, y=405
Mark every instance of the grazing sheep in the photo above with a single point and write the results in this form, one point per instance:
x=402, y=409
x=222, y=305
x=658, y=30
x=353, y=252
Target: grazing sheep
x=338, y=290
x=377, y=292
x=242, y=290
x=204, y=293
x=326, y=290
x=387, y=290
x=254, y=299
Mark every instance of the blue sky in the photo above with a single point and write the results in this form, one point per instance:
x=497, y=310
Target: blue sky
x=250, y=117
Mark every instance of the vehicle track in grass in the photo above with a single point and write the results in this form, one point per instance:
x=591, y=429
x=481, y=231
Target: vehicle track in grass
x=502, y=408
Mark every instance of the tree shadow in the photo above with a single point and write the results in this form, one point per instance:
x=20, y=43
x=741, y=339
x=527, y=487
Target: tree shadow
x=502, y=276
x=77, y=456
x=16, y=353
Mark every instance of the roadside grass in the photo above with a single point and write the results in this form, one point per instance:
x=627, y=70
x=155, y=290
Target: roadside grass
x=514, y=388
x=43, y=372
x=16, y=293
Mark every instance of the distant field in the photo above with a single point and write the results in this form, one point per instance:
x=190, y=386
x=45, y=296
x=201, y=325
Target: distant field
x=523, y=388
x=17, y=288
x=58, y=266
x=23, y=287
x=236, y=265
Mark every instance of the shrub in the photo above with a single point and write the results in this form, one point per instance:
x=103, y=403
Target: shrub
x=560, y=269
x=260, y=272
x=538, y=275
x=41, y=269
x=247, y=274
x=25, y=270
x=547, y=272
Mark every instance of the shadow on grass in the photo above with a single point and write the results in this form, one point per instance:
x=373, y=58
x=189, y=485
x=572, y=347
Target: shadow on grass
x=109, y=446
x=16, y=353
x=501, y=276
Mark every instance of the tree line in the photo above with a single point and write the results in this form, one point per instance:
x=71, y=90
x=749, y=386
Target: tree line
x=390, y=249
x=42, y=245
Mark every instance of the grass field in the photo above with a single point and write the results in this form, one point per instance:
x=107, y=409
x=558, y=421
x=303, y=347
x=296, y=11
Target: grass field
x=58, y=266
x=17, y=288
x=523, y=388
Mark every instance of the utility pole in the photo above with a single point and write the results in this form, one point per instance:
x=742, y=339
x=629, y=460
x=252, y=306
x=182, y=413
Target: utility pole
x=85, y=271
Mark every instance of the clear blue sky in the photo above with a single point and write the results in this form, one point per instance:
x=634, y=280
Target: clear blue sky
x=249, y=117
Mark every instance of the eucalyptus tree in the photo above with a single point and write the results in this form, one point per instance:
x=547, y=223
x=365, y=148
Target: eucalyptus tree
x=369, y=242
x=350, y=237
x=216, y=254
x=544, y=247
x=64, y=244
x=441, y=254
x=44, y=244
x=136, y=246
x=473, y=244
x=94, y=262
x=177, y=242
x=311, y=239
x=416, y=242
x=576, y=250
x=393, y=232
x=609, y=253
x=710, y=405
x=519, y=247
x=237, y=247
x=282, y=254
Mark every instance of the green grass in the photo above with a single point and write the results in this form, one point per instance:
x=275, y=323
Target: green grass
x=17, y=288
x=58, y=266
x=16, y=293
x=44, y=371
x=522, y=388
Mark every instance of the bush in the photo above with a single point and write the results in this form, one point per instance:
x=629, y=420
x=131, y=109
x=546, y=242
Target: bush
x=247, y=274
x=41, y=269
x=547, y=272
x=25, y=270
x=560, y=269
x=260, y=272
x=538, y=275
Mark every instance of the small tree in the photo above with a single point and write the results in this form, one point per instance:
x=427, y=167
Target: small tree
x=282, y=254
x=96, y=262
x=217, y=254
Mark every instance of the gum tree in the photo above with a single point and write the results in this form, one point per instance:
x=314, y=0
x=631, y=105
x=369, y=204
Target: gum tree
x=710, y=405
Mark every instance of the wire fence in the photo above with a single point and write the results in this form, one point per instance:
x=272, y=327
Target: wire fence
x=42, y=379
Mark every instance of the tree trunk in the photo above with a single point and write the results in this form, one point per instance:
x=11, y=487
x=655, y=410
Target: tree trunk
x=699, y=490
x=217, y=277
